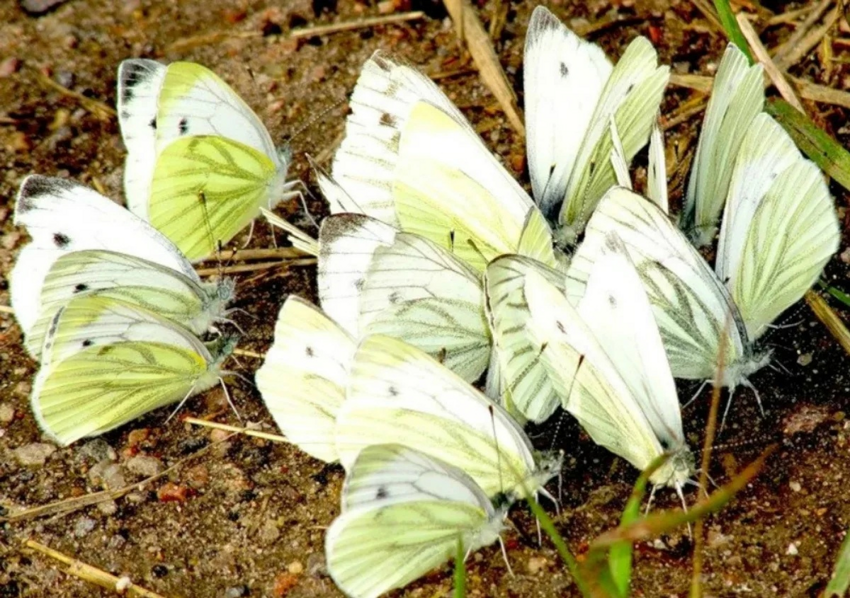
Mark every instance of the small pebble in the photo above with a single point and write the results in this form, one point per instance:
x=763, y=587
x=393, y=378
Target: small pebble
x=536, y=564
x=108, y=475
x=792, y=549
x=144, y=466
x=845, y=256
x=136, y=437
x=237, y=592
x=295, y=567
x=283, y=583
x=386, y=7
x=9, y=66
x=269, y=533
x=96, y=450
x=197, y=476
x=7, y=413
x=171, y=492
x=804, y=359
x=795, y=486
x=108, y=507
x=83, y=526
x=34, y=454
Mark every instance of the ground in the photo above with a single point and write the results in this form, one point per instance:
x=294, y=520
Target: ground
x=247, y=516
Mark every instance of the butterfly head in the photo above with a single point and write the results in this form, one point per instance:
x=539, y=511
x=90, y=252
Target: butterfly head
x=738, y=372
x=222, y=347
x=678, y=469
x=549, y=465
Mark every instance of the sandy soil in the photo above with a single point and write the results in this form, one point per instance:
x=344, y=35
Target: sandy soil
x=250, y=516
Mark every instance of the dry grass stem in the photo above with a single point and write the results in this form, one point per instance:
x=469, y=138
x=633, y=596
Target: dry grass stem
x=770, y=69
x=484, y=55
x=91, y=574
x=829, y=318
x=800, y=32
x=96, y=107
x=353, y=25
x=238, y=430
x=808, y=43
x=248, y=255
x=242, y=269
x=247, y=353
x=707, y=10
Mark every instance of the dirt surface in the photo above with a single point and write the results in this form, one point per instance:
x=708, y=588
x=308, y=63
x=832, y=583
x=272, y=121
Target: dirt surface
x=246, y=517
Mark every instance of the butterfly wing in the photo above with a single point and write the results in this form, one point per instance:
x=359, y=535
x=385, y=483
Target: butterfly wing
x=139, y=84
x=631, y=97
x=304, y=376
x=775, y=270
x=408, y=514
x=205, y=189
x=736, y=98
x=656, y=172
x=563, y=77
x=106, y=363
x=691, y=305
x=399, y=395
x=129, y=279
x=450, y=189
x=420, y=293
x=347, y=244
x=529, y=386
x=365, y=163
x=62, y=216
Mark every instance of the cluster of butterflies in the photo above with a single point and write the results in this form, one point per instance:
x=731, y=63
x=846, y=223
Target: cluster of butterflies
x=436, y=270
x=108, y=298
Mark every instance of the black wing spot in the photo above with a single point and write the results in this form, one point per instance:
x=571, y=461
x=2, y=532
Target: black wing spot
x=564, y=69
x=184, y=126
x=395, y=297
x=393, y=391
x=61, y=240
x=81, y=287
x=128, y=92
x=388, y=119
x=88, y=342
x=358, y=284
x=612, y=301
x=560, y=326
x=631, y=87
x=381, y=493
x=309, y=351
x=152, y=124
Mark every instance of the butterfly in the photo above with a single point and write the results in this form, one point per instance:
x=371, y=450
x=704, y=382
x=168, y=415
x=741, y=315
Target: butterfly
x=200, y=163
x=603, y=358
x=404, y=513
x=304, y=376
x=378, y=280
x=85, y=244
x=105, y=363
x=737, y=97
x=397, y=394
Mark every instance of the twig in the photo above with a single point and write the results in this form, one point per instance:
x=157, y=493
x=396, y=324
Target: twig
x=247, y=353
x=352, y=25
x=91, y=574
x=68, y=505
x=684, y=114
x=237, y=430
x=708, y=12
x=806, y=89
x=499, y=19
x=449, y=74
x=247, y=255
x=770, y=69
x=5, y=309
x=96, y=107
x=800, y=32
x=829, y=318
x=484, y=55
x=307, y=261
x=790, y=17
x=796, y=53
x=295, y=235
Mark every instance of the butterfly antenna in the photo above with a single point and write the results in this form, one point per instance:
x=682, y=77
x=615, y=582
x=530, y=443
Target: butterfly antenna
x=229, y=401
x=651, y=499
x=313, y=120
x=474, y=248
x=213, y=242
x=684, y=506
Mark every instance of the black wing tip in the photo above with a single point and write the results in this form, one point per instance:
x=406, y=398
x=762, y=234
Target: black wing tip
x=36, y=185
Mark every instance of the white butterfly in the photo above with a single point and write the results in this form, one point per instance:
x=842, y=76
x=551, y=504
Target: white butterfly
x=83, y=243
x=572, y=93
x=736, y=98
x=603, y=358
x=399, y=395
x=404, y=513
x=304, y=376
x=105, y=362
x=200, y=163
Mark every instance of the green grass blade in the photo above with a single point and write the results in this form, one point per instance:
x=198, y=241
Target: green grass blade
x=835, y=292
x=813, y=141
x=549, y=528
x=730, y=25
x=460, y=572
x=620, y=555
x=664, y=522
x=841, y=576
